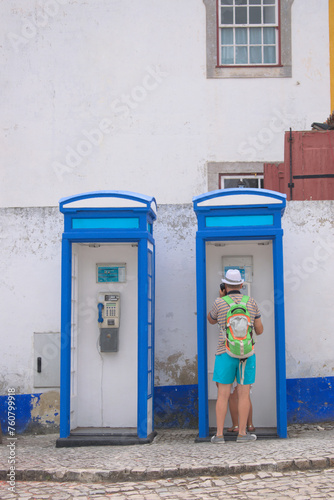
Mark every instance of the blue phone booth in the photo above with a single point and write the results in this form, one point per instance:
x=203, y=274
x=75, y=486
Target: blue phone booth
x=241, y=228
x=107, y=319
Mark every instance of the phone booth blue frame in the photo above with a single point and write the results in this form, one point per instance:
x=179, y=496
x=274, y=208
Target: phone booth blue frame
x=234, y=215
x=123, y=217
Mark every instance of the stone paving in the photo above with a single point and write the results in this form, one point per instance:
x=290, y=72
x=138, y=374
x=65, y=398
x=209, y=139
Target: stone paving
x=172, y=454
x=296, y=485
x=172, y=466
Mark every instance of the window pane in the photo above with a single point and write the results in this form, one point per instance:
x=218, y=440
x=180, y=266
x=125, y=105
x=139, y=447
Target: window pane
x=149, y=310
x=254, y=2
x=149, y=336
x=255, y=35
x=241, y=15
x=227, y=55
x=231, y=183
x=227, y=15
x=255, y=55
x=149, y=360
x=149, y=383
x=254, y=15
x=252, y=183
x=269, y=35
x=240, y=36
x=227, y=36
x=149, y=262
x=241, y=55
x=149, y=295
x=269, y=55
x=271, y=2
x=226, y=2
x=240, y=2
x=269, y=15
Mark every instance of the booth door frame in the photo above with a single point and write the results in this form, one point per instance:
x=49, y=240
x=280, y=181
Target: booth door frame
x=145, y=245
x=277, y=244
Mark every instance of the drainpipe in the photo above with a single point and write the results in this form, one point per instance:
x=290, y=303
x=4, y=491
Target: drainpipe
x=291, y=184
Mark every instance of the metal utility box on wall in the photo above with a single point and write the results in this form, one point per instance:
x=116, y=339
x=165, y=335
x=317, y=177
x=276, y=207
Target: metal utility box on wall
x=242, y=228
x=108, y=276
x=46, y=359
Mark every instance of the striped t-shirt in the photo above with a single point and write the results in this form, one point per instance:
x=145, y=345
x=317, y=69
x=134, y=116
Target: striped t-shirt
x=219, y=312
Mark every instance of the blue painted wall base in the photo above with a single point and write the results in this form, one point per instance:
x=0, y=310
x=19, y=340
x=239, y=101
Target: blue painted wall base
x=25, y=415
x=310, y=400
x=176, y=406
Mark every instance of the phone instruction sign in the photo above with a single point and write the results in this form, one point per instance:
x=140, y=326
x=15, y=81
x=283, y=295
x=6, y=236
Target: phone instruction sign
x=244, y=263
x=110, y=273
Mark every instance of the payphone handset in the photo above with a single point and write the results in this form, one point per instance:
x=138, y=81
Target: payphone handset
x=109, y=310
x=109, y=307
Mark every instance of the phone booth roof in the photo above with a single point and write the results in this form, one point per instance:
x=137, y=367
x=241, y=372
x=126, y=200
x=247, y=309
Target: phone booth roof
x=239, y=209
x=106, y=212
x=107, y=200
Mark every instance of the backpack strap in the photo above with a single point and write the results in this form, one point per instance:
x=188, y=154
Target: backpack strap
x=228, y=300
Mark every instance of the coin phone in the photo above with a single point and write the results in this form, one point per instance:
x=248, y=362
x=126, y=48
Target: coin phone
x=109, y=320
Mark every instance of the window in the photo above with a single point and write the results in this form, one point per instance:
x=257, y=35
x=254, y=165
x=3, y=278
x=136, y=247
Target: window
x=248, y=38
x=248, y=32
x=224, y=174
x=241, y=180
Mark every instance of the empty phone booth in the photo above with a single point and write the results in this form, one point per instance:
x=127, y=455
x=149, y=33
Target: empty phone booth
x=241, y=229
x=107, y=319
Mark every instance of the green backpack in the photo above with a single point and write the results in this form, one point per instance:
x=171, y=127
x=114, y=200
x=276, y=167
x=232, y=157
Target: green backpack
x=239, y=340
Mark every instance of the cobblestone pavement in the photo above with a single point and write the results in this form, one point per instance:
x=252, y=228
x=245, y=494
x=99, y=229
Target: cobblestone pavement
x=296, y=485
x=173, y=453
x=172, y=466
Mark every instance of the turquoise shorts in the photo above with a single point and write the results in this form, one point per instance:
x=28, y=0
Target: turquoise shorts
x=227, y=369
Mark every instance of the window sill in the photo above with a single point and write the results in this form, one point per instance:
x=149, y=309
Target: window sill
x=249, y=72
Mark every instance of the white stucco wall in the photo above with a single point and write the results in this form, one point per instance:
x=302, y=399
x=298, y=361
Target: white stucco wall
x=309, y=270
x=30, y=257
x=30, y=290
x=113, y=94
x=176, y=320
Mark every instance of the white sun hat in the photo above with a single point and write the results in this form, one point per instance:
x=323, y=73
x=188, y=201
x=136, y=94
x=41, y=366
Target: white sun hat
x=233, y=277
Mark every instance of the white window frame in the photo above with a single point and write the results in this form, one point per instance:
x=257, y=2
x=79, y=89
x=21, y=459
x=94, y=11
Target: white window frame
x=234, y=26
x=216, y=170
x=241, y=177
x=282, y=70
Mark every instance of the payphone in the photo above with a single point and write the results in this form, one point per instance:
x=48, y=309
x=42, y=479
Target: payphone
x=109, y=320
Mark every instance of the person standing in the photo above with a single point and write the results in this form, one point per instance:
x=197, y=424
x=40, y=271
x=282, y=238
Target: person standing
x=228, y=368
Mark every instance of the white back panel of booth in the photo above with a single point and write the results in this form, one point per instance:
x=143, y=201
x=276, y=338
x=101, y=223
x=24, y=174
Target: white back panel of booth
x=106, y=381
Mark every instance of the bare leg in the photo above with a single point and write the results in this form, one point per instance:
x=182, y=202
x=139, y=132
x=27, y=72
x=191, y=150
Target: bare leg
x=224, y=391
x=233, y=405
x=250, y=425
x=243, y=407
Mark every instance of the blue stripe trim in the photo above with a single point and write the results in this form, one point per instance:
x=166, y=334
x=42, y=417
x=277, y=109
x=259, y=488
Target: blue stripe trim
x=239, y=221
x=106, y=223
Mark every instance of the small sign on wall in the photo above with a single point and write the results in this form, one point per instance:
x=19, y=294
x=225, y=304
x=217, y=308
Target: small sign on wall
x=110, y=273
x=244, y=263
